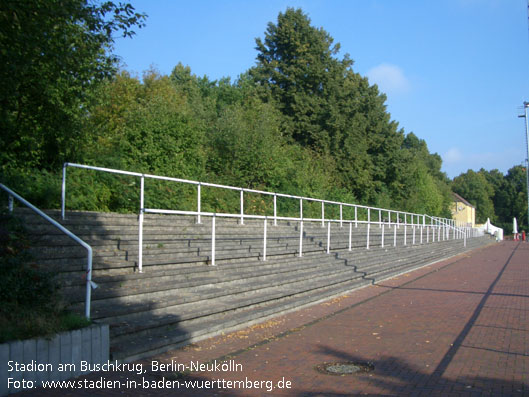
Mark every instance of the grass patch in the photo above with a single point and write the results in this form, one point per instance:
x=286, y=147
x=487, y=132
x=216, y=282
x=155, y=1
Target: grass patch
x=31, y=304
x=29, y=324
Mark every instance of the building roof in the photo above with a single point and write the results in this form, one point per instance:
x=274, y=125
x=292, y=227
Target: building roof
x=458, y=198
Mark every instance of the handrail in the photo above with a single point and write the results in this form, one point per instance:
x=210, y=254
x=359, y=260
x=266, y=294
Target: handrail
x=89, y=283
x=199, y=184
x=266, y=218
x=414, y=218
x=463, y=231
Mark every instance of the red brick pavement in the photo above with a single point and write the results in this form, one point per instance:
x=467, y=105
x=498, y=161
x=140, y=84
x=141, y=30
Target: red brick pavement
x=458, y=327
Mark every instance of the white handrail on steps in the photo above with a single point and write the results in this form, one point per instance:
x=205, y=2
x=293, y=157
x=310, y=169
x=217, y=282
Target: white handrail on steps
x=89, y=283
x=409, y=219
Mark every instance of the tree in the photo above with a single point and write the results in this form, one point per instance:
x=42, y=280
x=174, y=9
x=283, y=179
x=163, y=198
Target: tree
x=327, y=107
x=296, y=62
x=53, y=53
x=515, y=194
x=474, y=187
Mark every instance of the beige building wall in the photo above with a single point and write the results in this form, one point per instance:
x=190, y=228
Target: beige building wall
x=463, y=214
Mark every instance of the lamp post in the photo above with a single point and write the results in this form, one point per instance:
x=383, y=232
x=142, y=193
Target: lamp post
x=525, y=116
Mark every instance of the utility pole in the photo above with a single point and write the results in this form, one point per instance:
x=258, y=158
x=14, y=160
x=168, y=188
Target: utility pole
x=525, y=116
x=525, y=106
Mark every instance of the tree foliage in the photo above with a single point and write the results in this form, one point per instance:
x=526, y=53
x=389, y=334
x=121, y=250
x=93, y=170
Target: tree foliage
x=334, y=111
x=52, y=53
x=301, y=121
x=496, y=196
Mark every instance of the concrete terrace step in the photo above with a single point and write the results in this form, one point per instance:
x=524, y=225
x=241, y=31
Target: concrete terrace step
x=221, y=314
x=179, y=297
x=175, y=269
x=189, y=291
x=174, y=333
x=201, y=288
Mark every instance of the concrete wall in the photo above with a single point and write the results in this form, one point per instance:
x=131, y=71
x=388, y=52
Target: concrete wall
x=58, y=358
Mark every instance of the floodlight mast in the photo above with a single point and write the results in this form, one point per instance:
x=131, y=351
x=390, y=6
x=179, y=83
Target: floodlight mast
x=525, y=108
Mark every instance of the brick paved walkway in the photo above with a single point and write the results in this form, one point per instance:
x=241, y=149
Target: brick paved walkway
x=459, y=327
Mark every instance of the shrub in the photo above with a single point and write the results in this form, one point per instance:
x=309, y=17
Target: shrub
x=31, y=303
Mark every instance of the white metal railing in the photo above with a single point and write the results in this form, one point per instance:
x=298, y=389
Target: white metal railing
x=438, y=232
x=89, y=283
x=393, y=216
x=491, y=229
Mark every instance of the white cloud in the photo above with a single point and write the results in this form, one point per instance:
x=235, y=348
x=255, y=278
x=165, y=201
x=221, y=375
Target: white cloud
x=452, y=156
x=389, y=78
x=457, y=161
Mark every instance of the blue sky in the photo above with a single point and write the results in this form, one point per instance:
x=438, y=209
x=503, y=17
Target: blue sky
x=455, y=72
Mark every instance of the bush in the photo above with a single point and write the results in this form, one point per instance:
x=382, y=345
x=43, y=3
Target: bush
x=31, y=303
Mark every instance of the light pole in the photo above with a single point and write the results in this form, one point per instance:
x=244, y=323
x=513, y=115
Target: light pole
x=525, y=108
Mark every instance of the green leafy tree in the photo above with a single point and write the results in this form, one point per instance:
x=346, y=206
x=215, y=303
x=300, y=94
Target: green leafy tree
x=516, y=181
x=143, y=126
x=506, y=194
x=476, y=189
x=53, y=53
x=510, y=196
x=297, y=63
x=326, y=106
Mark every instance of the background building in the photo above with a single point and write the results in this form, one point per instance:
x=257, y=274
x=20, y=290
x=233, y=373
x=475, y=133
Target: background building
x=462, y=211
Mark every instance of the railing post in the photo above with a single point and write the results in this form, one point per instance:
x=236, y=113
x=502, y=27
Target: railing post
x=421, y=233
x=379, y=218
x=413, y=240
x=398, y=220
x=275, y=209
x=89, y=285
x=465, y=240
x=367, y=242
x=63, y=191
x=242, y=207
x=427, y=235
x=198, y=202
x=213, y=240
x=340, y=215
x=140, y=226
x=382, y=235
x=300, y=238
x=300, y=208
x=350, y=234
x=405, y=232
x=328, y=237
x=356, y=216
x=10, y=203
x=322, y=214
x=264, y=240
x=368, y=226
x=394, y=235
